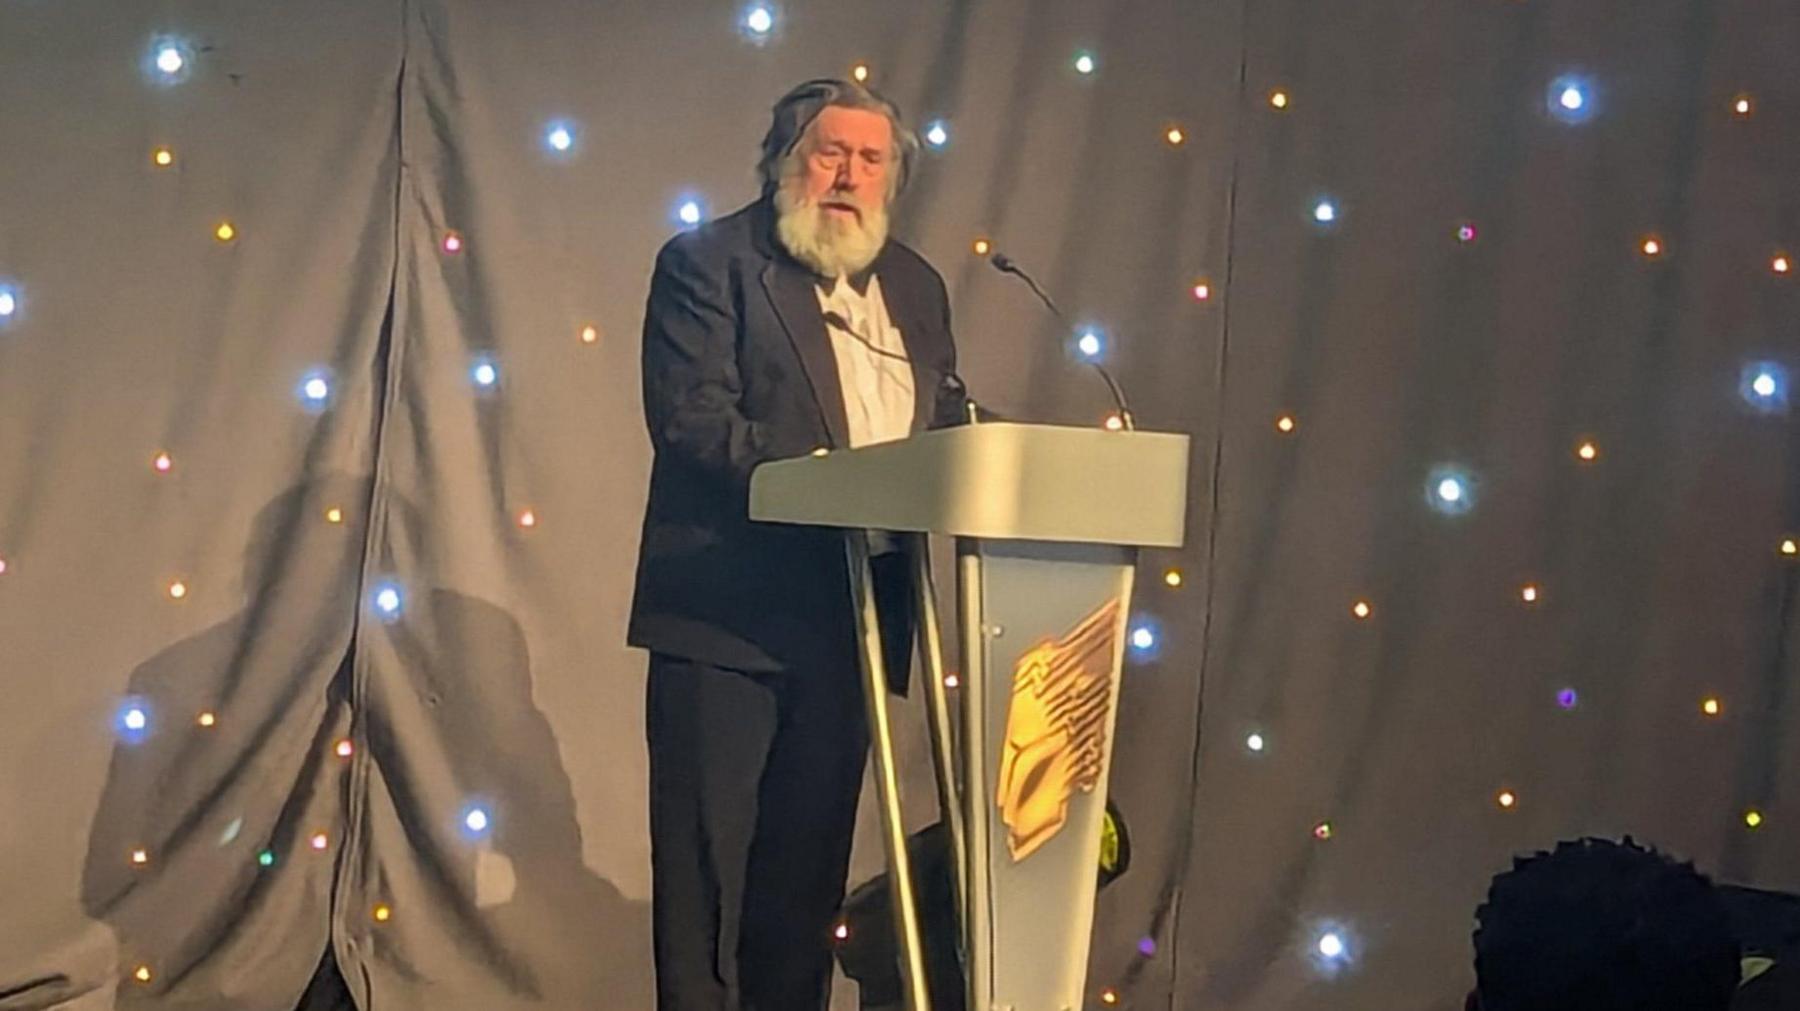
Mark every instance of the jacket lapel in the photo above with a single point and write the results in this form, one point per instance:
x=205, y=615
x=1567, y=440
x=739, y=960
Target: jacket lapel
x=905, y=307
x=790, y=291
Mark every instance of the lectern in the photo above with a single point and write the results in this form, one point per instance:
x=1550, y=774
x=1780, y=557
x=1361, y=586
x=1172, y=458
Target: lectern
x=1048, y=521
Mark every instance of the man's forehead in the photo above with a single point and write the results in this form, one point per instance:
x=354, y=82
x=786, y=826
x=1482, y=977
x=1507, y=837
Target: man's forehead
x=854, y=126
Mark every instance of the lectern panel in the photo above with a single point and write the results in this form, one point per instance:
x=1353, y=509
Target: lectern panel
x=1052, y=633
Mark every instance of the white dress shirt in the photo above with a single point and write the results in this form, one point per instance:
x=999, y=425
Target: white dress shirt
x=878, y=390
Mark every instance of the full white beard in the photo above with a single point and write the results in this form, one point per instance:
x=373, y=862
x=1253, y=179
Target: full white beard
x=830, y=245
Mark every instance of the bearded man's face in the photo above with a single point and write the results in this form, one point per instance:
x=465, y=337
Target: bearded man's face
x=832, y=202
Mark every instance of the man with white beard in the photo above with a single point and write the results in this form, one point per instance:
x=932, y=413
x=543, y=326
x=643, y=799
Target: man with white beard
x=791, y=325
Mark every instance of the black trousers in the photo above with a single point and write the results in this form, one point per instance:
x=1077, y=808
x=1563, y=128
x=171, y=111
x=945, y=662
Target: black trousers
x=754, y=781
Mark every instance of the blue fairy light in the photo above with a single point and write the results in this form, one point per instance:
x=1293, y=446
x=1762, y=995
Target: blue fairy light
x=1450, y=491
x=1764, y=386
x=1571, y=99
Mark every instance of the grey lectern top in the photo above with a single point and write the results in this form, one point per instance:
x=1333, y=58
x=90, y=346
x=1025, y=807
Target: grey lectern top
x=993, y=480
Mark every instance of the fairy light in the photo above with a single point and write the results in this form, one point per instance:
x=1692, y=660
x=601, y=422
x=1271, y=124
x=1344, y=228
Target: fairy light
x=1588, y=452
x=1507, y=799
x=334, y=515
x=860, y=72
x=163, y=463
x=1173, y=577
x=162, y=157
x=319, y=841
x=207, y=719
x=1711, y=706
x=1175, y=136
x=1529, y=593
x=1652, y=246
x=528, y=519
x=140, y=857
x=1278, y=99
x=1285, y=423
x=344, y=748
x=142, y=974
x=1322, y=831
x=383, y=913
x=225, y=232
x=982, y=247
x=1753, y=818
x=453, y=242
x=178, y=590
x=590, y=334
x=1362, y=609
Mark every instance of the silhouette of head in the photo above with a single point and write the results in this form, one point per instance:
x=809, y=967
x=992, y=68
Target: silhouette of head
x=1603, y=926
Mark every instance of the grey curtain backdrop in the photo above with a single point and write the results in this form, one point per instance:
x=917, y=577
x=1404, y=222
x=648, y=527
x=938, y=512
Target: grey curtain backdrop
x=205, y=787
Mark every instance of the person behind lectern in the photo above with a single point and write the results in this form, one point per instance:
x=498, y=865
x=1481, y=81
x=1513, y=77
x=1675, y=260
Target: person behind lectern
x=791, y=325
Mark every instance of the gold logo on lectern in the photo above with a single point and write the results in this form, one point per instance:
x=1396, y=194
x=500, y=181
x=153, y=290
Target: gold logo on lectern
x=1056, y=729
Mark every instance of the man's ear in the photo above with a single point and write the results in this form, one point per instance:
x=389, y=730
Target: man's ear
x=1472, y=1002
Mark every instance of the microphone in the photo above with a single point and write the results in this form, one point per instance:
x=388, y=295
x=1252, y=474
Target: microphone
x=1005, y=265
x=950, y=382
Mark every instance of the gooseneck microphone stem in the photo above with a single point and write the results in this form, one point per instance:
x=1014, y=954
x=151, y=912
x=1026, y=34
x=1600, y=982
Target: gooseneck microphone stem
x=1005, y=265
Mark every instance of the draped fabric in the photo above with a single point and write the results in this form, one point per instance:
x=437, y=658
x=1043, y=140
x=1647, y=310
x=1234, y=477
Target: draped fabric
x=318, y=530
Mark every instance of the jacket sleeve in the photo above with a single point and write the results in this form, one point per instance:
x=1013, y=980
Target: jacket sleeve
x=951, y=402
x=692, y=386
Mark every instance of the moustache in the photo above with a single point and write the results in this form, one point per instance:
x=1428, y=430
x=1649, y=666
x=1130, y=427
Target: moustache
x=843, y=200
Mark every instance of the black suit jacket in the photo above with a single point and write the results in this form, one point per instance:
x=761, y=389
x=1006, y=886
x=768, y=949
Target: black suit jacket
x=738, y=370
